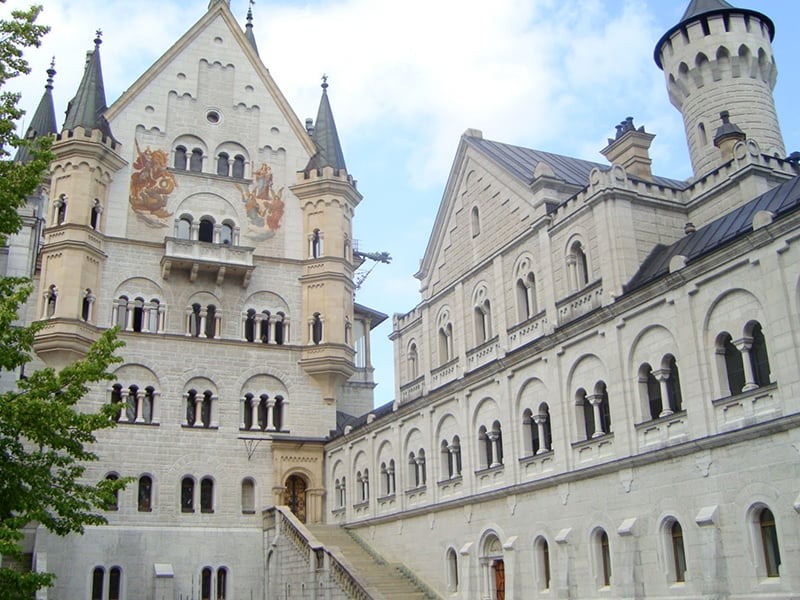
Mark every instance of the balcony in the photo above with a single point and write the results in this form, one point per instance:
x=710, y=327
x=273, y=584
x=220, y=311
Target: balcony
x=445, y=374
x=484, y=354
x=412, y=390
x=748, y=408
x=580, y=303
x=663, y=432
x=219, y=260
x=527, y=331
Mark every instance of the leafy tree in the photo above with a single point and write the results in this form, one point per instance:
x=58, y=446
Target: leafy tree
x=44, y=439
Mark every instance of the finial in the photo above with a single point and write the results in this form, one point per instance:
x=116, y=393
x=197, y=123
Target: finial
x=51, y=73
x=324, y=81
x=99, y=35
x=250, y=13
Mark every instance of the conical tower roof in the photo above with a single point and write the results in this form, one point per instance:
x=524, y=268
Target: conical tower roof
x=699, y=9
x=248, y=30
x=329, y=149
x=87, y=107
x=44, y=119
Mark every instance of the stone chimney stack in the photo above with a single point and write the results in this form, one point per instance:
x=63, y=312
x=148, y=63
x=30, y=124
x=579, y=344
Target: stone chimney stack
x=631, y=149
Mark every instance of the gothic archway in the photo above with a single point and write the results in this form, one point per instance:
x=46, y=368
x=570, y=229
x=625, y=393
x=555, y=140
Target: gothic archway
x=294, y=496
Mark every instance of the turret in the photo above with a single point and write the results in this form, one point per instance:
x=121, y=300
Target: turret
x=719, y=59
x=86, y=158
x=328, y=198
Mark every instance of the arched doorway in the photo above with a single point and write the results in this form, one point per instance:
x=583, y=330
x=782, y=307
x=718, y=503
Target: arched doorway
x=294, y=496
x=494, y=572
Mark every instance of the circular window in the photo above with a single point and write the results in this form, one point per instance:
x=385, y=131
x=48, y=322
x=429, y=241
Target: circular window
x=213, y=117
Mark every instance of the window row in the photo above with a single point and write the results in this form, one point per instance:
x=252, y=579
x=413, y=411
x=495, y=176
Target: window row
x=138, y=404
x=59, y=216
x=225, y=164
x=188, y=496
x=763, y=533
x=206, y=229
x=107, y=585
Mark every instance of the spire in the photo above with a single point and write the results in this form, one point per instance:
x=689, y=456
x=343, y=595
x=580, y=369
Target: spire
x=44, y=119
x=701, y=7
x=248, y=29
x=87, y=107
x=329, y=149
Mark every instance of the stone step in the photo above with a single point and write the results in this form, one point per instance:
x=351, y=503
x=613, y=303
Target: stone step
x=387, y=579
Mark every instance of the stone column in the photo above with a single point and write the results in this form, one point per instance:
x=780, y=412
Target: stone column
x=596, y=400
x=540, y=421
x=743, y=345
x=146, y=307
x=202, y=326
x=198, y=410
x=572, y=273
x=662, y=376
x=270, y=408
x=254, y=412
x=139, y=406
x=494, y=442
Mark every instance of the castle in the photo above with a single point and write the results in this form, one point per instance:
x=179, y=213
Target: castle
x=596, y=396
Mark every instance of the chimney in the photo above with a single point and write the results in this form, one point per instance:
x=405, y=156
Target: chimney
x=630, y=148
x=727, y=135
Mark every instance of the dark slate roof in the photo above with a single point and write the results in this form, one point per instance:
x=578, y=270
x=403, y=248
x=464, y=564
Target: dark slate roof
x=343, y=419
x=87, y=107
x=521, y=162
x=44, y=119
x=248, y=30
x=706, y=8
x=780, y=201
x=329, y=149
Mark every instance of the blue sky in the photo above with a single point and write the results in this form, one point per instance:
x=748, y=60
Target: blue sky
x=407, y=78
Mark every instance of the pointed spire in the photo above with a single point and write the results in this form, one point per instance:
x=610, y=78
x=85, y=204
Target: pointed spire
x=87, y=107
x=701, y=7
x=329, y=149
x=44, y=119
x=248, y=29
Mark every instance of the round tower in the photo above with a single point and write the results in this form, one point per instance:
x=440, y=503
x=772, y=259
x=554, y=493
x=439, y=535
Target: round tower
x=719, y=58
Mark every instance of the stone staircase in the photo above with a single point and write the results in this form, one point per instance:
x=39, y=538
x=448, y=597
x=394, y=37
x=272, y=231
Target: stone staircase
x=385, y=580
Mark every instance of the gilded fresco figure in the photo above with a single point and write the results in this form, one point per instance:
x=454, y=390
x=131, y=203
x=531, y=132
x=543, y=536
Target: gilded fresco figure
x=263, y=205
x=151, y=184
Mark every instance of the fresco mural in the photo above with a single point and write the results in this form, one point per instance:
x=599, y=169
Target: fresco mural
x=263, y=205
x=151, y=185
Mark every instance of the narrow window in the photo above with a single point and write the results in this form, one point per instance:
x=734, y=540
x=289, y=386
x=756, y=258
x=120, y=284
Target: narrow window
x=678, y=554
x=605, y=409
x=97, y=583
x=452, y=571
x=545, y=553
x=180, y=158
x=206, y=232
x=206, y=495
x=316, y=244
x=734, y=366
x=223, y=164
x=187, y=495
x=226, y=234
x=116, y=398
x=149, y=404
x=52, y=297
x=769, y=543
x=194, y=320
x=447, y=460
x=605, y=558
x=205, y=583
x=701, y=134
x=61, y=211
x=248, y=496
x=115, y=501
x=205, y=409
x=238, y=166
x=145, y=493
x=280, y=328
x=138, y=314
x=316, y=329
x=95, y=216
x=413, y=371
x=86, y=305
x=476, y=221
x=277, y=413
x=184, y=230
x=211, y=321
x=114, y=583
x=248, y=411
x=196, y=161
x=674, y=386
x=262, y=411
x=191, y=407
x=250, y=325
x=264, y=329
x=222, y=583
x=758, y=356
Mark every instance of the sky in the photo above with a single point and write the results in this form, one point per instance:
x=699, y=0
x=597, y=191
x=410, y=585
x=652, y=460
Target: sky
x=408, y=78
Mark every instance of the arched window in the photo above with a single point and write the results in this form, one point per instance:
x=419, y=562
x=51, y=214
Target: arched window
x=223, y=164
x=187, y=495
x=196, y=160
x=207, y=495
x=475, y=220
x=205, y=408
x=206, y=231
x=527, y=305
x=61, y=209
x=263, y=405
x=770, y=549
x=206, y=577
x=447, y=461
x=602, y=558
x=149, y=404
x=585, y=414
x=537, y=430
x=316, y=329
x=732, y=363
x=280, y=328
x=316, y=244
x=483, y=322
x=277, y=413
x=264, y=328
x=363, y=481
x=678, y=553
x=413, y=367
x=184, y=228
x=98, y=575
x=247, y=419
x=180, y=158
x=452, y=571
x=114, y=505
x=238, y=166
x=601, y=394
x=759, y=359
x=94, y=218
x=155, y=312
x=145, y=495
x=50, y=301
x=211, y=321
x=248, y=496
x=131, y=406
x=116, y=398
x=226, y=234
x=651, y=389
x=86, y=305
x=675, y=400
x=250, y=325
x=445, y=343
x=191, y=408
x=138, y=314
x=577, y=266
x=114, y=583
x=195, y=318
x=222, y=583
x=542, y=550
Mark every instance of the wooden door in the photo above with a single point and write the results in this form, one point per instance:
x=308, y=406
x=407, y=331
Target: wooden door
x=499, y=579
x=295, y=496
